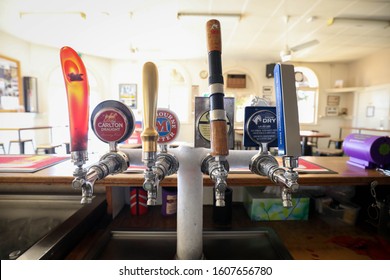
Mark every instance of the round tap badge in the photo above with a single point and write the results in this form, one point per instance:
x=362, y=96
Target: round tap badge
x=167, y=126
x=203, y=125
x=262, y=127
x=112, y=121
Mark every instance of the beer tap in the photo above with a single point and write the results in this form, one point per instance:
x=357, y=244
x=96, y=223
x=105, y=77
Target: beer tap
x=167, y=125
x=77, y=88
x=264, y=164
x=149, y=134
x=217, y=166
x=287, y=136
x=112, y=122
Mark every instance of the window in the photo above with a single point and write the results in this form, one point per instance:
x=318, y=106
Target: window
x=307, y=95
x=173, y=93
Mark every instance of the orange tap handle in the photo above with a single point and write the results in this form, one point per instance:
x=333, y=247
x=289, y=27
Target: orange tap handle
x=77, y=88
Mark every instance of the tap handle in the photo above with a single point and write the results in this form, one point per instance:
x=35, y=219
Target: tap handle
x=149, y=135
x=77, y=88
x=218, y=127
x=214, y=36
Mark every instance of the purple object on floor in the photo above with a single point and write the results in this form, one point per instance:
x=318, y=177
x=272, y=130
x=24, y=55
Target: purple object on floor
x=367, y=151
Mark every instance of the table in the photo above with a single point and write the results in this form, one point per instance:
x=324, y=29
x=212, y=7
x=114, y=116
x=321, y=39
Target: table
x=305, y=135
x=20, y=129
x=359, y=129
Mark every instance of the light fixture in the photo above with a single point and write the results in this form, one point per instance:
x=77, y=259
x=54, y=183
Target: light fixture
x=54, y=13
x=286, y=55
x=359, y=22
x=235, y=16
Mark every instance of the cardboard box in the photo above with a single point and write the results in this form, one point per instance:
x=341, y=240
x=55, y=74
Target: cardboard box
x=268, y=207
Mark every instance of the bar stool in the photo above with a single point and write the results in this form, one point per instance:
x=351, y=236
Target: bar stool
x=67, y=147
x=2, y=147
x=337, y=142
x=47, y=148
x=21, y=144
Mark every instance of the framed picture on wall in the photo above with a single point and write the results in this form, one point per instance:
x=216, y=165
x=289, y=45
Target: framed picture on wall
x=128, y=95
x=11, y=97
x=30, y=90
x=370, y=111
x=333, y=100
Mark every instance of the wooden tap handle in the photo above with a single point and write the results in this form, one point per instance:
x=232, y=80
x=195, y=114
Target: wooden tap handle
x=218, y=127
x=149, y=134
x=213, y=29
x=218, y=137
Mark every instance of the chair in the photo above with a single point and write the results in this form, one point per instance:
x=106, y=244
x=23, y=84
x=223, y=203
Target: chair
x=21, y=144
x=313, y=141
x=2, y=147
x=67, y=147
x=337, y=142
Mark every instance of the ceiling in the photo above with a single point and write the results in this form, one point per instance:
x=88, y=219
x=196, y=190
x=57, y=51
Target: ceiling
x=150, y=29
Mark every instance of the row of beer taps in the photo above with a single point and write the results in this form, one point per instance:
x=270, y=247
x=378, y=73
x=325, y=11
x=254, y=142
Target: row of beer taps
x=159, y=165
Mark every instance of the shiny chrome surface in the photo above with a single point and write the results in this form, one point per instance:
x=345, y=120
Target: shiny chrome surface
x=256, y=244
x=32, y=225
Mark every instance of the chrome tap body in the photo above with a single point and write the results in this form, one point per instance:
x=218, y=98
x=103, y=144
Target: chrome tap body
x=151, y=181
x=166, y=164
x=266, y=165
x=217, y=168
x=110, y=163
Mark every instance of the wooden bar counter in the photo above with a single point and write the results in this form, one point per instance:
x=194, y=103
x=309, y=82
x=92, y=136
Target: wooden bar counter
x=316, y=238
x=345, y=175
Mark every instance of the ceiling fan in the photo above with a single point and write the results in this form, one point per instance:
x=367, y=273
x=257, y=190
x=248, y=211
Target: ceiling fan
x=287, y=52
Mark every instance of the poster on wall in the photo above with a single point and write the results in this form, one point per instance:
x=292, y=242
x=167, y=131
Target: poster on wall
x=10, y=85
x=128, y=95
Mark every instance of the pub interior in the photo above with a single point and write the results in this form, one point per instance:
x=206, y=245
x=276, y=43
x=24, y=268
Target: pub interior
x=128, y=126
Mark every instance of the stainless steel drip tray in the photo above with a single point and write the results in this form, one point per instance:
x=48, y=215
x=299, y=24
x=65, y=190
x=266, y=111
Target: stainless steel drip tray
x=253, y=244
x=32, y=225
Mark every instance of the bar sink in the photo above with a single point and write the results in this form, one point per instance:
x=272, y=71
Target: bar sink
x=35, y=226
x=253, y=244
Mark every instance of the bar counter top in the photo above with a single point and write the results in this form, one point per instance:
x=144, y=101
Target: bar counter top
x=344, y=174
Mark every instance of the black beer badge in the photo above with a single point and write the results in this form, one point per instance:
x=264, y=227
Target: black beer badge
x=260, y=126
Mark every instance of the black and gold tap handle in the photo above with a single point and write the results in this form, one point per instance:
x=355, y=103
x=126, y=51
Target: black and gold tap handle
x=218, y=127
x=149, y=134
